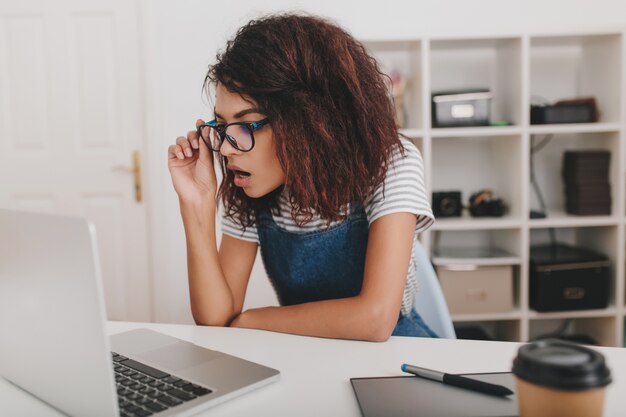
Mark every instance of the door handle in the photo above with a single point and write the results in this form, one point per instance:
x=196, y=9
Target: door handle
x=136, y=171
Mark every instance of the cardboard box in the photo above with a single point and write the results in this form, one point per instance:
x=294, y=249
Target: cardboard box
x=471, y=289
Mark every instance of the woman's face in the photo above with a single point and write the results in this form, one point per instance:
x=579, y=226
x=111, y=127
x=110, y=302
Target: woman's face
x=261, y=163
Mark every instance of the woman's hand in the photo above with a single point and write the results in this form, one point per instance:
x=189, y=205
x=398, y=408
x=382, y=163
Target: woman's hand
x=190, y=163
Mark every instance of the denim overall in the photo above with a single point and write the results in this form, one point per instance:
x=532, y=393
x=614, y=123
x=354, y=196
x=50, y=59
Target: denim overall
x=322, y=265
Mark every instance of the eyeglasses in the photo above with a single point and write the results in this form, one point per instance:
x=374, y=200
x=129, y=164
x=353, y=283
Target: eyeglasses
x=238, y=134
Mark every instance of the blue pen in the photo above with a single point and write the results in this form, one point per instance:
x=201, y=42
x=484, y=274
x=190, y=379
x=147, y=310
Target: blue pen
x=457, y=381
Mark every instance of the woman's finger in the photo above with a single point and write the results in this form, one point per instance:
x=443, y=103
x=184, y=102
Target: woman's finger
x=183, y=142
x=175, y=151
x=206, y=155
x=192, y=136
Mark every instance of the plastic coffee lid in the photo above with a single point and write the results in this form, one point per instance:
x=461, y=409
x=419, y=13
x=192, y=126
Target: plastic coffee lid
x=561, y=365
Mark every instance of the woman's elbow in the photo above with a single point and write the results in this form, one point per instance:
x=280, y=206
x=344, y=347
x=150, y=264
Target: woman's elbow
x=202, y=319
x=380, y=324
x=379, y=336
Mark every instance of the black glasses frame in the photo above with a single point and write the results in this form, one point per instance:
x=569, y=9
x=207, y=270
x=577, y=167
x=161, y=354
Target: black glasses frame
x=220, y=129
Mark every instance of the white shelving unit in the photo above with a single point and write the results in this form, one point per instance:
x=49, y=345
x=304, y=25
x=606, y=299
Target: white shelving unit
x=520, y=70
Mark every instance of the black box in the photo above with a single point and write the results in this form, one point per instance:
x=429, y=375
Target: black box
x=586, y=166
x=564, y=113
x=461, y=108
x=586, y=178
x=447, y=204
x=588, y=210
x=599, y=156
x=599, y=192
x=565, y=277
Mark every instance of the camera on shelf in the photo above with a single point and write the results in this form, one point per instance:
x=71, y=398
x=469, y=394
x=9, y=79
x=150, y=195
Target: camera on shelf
x=447, y=204
x=483, y=204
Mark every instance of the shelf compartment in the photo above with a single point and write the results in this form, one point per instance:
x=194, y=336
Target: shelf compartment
x=548, y=165
x=601, y=329
x=599, y=239
x=493, y=161
x=508, y=240
x=563, y=67
x=502, y=330
x=481, y=63
x=405, y=57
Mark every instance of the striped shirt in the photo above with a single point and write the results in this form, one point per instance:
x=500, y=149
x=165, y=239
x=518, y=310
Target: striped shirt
x=404, y=192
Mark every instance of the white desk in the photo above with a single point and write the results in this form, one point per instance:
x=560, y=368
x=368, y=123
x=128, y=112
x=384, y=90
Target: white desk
x=315, y=372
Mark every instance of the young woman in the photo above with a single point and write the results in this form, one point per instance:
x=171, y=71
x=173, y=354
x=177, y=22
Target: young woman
x=314, y=172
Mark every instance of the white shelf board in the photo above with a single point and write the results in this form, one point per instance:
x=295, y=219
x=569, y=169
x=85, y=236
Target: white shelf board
x=511, y=315
x=507, y=261
x=443, y=132
x=562, y=219
x=573, y=314
x=391, y=44
x=574, y=128
x=569, y=38
x=477, y=223
x=412, y=133
x=477, y=256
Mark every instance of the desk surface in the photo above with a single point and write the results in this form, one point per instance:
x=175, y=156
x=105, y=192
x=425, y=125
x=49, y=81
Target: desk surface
x=315, y=372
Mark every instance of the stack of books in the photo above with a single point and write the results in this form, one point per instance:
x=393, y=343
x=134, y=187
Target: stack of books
x=586, y=178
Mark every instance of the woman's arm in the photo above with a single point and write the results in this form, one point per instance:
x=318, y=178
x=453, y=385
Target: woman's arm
x=237, y=259
x=373, y=314
x=217, y=281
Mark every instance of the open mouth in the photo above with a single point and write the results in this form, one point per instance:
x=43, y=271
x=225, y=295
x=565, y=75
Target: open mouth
x=241, y=178
x=241, y=174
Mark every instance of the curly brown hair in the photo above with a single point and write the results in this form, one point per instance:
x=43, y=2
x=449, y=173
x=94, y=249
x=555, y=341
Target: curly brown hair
x=331, y=113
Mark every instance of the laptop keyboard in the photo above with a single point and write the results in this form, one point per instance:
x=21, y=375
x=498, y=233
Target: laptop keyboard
x=143, y=390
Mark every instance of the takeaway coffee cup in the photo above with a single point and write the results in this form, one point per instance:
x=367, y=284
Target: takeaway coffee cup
x=560, y=379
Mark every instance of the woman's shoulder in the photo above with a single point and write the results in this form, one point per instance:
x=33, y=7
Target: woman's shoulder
x=403, y=189
x=406, y=151
x=233, y=226
x=405, y=158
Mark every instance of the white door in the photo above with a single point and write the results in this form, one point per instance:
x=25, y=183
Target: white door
x=70, y=120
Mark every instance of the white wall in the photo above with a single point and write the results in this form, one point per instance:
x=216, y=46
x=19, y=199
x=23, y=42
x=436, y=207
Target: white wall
x=181, y=39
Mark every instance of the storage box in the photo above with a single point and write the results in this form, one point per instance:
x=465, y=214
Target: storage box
x=461, y=108
x=477, y=289
x=587, y=186
x=582, y=110
x=565, y=277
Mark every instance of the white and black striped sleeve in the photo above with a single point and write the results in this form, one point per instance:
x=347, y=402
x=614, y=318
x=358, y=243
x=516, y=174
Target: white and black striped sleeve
x=233, y=228
x=404, y=189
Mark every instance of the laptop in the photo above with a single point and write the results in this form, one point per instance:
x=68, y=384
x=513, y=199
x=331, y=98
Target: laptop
x=54, y=344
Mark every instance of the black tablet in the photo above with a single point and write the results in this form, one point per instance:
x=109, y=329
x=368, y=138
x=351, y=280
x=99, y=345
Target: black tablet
x=416, y=397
